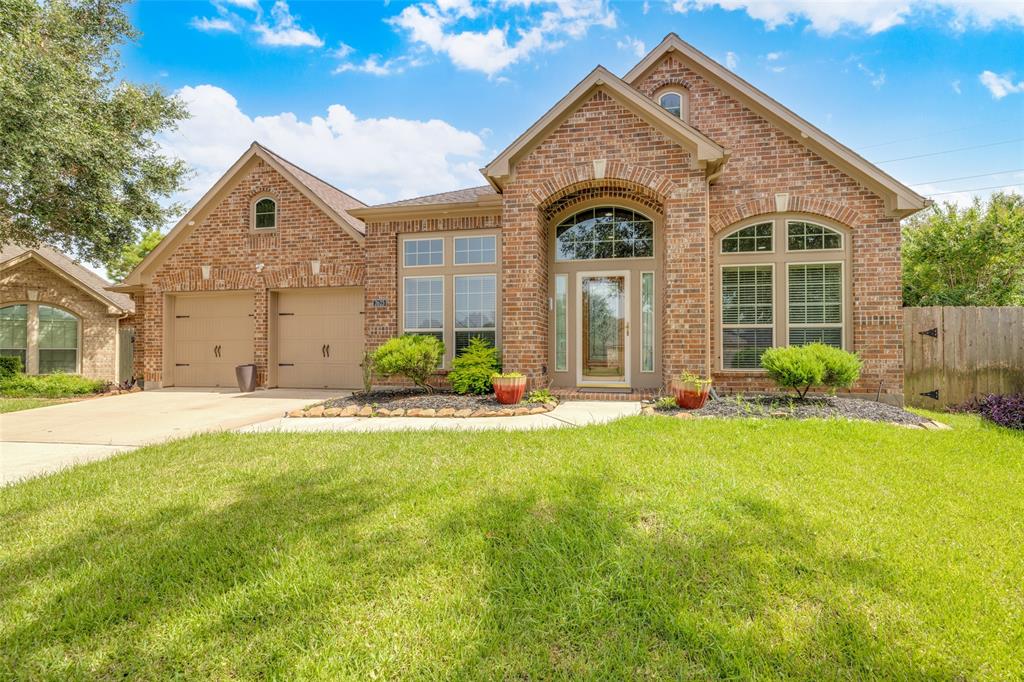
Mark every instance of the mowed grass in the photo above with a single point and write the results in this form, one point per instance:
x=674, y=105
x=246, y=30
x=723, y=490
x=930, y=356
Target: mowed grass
x=648, y=548
x=18, y=404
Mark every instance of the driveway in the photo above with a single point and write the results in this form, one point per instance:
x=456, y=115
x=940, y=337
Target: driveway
x=46, y=439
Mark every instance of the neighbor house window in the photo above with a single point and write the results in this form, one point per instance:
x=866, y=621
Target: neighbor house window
x=265, y=214
x=58, y=340
x=672, y=102
x=747, y=315
x=804, y=236
x=816, y=304
x=646, y=321
x=423, y=252
x=476, y=309
x=561, y=323
x=606, y=232
x=14, y=332
x=474, y=250
x=423, y=306
x=750, y=239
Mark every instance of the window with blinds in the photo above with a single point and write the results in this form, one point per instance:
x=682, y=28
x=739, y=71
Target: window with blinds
x=747, y=315
x=815, y=303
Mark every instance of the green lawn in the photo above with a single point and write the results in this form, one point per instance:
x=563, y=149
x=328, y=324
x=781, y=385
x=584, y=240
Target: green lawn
x=648, y=548
x=18, y=404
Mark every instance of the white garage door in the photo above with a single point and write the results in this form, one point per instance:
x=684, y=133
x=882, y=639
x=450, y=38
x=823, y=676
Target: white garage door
x=320, y=338
x=212, y=333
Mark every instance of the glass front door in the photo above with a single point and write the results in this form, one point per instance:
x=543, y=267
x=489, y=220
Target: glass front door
x=604, y=342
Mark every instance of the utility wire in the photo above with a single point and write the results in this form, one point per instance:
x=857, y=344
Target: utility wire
x=938, y=132
x=968, y=177
x=976, y=189
x=950, y=151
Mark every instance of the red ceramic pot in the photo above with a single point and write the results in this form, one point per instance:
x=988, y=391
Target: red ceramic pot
x=690, y=399
x=509, y=390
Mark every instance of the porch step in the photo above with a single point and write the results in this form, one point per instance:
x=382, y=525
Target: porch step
x=604, y=394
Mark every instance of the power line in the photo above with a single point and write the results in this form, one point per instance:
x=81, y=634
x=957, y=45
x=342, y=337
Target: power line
x=938, y=132
x=976, y=189
x=950, y=151
x=968, y=177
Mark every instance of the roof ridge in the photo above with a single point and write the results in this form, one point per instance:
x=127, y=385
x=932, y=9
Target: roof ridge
x=310, y=174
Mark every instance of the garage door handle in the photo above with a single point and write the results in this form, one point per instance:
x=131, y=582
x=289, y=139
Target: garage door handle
x=323, y=350
x=286, y=364
x=181, y=364
x=328, y=350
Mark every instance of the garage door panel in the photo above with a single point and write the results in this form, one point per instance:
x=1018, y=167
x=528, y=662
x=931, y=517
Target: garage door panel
x=320, y=338
x=212, y=334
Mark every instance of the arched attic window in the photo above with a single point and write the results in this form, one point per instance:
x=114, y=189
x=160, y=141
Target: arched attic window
x=675, y=102
x=265, y=214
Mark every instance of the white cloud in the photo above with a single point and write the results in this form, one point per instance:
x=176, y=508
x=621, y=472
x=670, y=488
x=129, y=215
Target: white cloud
x=877, y=78
x=213, y=25
x=284, y=31
x=342, y=51
x=956, y=86
x=375, y=67
x=732, y=60
x=773, y=56
x=634, y=45
x=1000, y=85
x=253, y=5
x=376, y=159
x=489, y=49
x=872, y=16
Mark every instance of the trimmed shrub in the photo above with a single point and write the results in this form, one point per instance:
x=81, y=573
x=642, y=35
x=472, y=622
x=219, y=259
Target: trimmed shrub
x=49, y=386
x=414, y=356
x=801, y=368
x=9, y=366
x=473, y=369
x=1004, y=410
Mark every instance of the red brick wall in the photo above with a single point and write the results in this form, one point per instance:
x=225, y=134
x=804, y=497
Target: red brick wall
x=765, y=161
x=224, y=240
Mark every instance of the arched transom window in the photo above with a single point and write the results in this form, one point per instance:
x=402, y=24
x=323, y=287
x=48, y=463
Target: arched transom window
x=781, y=282
x=265, y=214
x=605, y=232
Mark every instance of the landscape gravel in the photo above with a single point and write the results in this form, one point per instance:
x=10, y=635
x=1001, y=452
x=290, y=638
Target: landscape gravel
x=780, y=407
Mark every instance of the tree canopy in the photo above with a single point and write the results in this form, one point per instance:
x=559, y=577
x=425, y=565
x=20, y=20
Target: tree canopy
x=131, y=255
x=80, y=167
x=966, y=256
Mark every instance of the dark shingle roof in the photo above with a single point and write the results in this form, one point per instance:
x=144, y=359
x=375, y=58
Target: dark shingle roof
x=87, y=278
x=457, y=197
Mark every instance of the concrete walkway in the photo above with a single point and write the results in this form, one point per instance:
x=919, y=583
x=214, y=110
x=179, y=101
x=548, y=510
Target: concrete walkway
x=573, y=413
x=47, y=439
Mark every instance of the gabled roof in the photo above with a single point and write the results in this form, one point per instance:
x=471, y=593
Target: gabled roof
x=900, y=199
x=472, y=200
x=81, y=277
x=707, y=153
x=335, y=203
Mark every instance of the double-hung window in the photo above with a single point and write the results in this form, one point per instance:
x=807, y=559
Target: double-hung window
x=747, y=314
x=423, y=306
x=815, y=292
x=476, y=309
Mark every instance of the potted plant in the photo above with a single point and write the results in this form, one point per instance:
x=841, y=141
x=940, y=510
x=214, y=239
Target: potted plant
x=508, y=387
x=692, y=391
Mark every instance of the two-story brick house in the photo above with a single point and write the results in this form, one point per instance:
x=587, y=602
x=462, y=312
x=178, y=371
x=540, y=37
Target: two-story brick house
x=674, y=219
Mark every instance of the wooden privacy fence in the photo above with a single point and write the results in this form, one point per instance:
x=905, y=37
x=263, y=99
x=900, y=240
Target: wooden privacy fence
x=954, y=354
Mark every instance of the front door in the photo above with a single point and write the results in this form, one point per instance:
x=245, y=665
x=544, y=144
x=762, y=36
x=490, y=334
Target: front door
x=603, y=323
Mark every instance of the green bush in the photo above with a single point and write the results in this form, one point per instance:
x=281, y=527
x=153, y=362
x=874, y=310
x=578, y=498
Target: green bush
x=541, y=396
x=801, y=368
x=49, y=386
x=413, y=356
x=472, y=370
x=9, y=366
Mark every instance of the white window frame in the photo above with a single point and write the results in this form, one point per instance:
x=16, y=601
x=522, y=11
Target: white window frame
x=455, y=328
x=842, y=238
x=681, y=97
x=455, y=250
x=752, y=223
x=841, y=326
x=277, y=213
x=722, y=325
x=423, y=239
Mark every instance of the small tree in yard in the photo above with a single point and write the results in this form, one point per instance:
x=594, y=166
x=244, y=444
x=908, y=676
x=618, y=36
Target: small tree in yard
x=413, y=356
x=473, y=369
x=802, y=368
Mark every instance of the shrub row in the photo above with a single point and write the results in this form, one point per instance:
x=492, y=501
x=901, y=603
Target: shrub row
x=49, y=386
x=802, y=368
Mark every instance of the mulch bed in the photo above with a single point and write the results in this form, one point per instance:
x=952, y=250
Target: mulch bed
x=783, y=407
x=406, y=402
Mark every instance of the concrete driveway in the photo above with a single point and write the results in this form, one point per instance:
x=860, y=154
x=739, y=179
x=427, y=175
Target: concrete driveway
x=46, y=439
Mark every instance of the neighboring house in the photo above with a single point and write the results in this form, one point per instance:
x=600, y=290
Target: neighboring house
x=57, y=316
x=674, y=219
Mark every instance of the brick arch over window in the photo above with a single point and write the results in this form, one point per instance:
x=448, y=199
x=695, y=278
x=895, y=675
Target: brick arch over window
x=796, y=204
x=612, y=178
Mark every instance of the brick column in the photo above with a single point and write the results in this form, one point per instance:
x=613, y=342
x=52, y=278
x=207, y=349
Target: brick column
x=524, y=285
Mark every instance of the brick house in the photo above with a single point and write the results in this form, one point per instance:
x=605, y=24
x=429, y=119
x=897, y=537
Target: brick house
x=674, y=219
x=57, y=316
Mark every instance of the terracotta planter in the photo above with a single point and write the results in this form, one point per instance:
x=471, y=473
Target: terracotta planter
x=509, y=390
x=689, y=398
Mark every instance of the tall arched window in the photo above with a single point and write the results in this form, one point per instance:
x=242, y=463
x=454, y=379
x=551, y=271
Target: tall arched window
x=14, y=332
x=58, y=340
x=265, y=214
x=605, y=232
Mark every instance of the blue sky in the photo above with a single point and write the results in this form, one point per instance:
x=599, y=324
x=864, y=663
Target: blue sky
x=399, y=99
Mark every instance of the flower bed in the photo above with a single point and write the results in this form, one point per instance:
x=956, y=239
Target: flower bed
x=784, y=407
x=418, y=403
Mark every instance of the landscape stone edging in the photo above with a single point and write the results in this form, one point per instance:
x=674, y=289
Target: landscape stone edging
x=444, y=412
